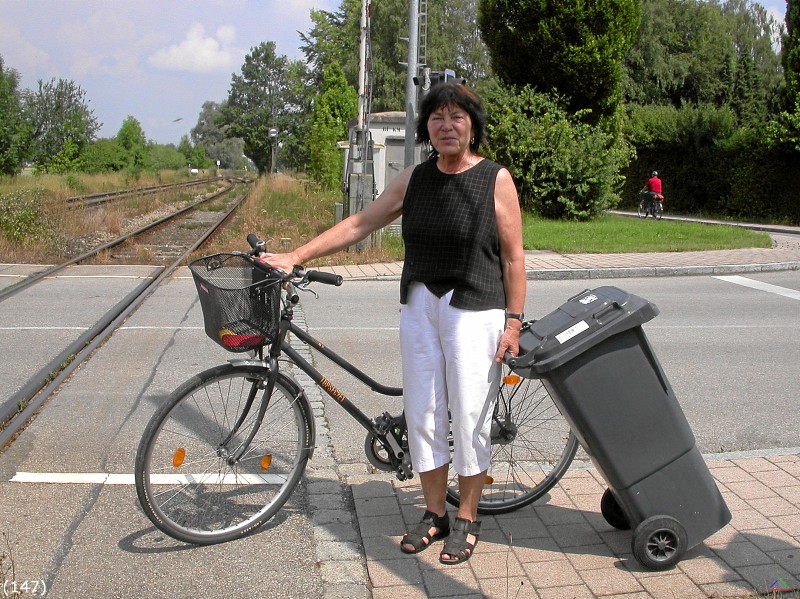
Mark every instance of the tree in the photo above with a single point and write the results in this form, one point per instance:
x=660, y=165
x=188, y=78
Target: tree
x=12, y=123
x=454, y=40
x=334, y=38
x=790, y=55
x=210, y=135
x=709, y=53
x=333, y=109
x=131, y=138
x=103, y=155
x=165, y=157
x=260, y=98
x=572, y=47
x=61, y=123
x=194, y=156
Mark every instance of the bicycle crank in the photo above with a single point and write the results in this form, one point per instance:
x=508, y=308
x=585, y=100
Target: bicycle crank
x=387, y=448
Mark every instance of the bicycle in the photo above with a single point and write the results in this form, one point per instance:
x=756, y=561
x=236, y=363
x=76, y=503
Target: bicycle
x=228, y=447
x=653, y=206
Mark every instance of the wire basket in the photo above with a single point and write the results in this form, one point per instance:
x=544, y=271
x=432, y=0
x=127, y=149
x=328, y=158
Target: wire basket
x=241, y=305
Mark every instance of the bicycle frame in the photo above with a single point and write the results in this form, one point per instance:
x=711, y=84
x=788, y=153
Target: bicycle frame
x=320, y=380
x=281, y=346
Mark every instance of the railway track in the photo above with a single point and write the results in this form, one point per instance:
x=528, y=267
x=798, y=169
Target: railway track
x=166, y=243
x=98, y=199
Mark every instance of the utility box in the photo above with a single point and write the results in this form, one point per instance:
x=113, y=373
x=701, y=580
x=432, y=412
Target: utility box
x=593, y=357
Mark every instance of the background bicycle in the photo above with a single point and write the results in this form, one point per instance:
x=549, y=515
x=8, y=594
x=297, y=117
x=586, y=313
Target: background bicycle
x=652, y=205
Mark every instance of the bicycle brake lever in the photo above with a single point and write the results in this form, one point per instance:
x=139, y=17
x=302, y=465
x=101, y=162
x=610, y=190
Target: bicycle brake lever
x=303, y=286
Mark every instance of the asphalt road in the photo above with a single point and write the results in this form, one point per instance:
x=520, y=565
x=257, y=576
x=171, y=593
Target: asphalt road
x=730, y=351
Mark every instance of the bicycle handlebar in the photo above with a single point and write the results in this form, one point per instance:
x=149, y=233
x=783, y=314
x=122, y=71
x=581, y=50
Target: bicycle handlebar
x=313, y=276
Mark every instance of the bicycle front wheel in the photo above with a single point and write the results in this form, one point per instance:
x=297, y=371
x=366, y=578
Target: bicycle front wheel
x=532, y=448
x=200, y=477
x=642, y=210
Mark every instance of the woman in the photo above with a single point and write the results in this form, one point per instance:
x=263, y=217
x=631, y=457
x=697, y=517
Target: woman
x=462, y=293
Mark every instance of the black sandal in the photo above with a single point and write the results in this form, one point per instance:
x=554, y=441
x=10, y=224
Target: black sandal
x=420, y=538
x=457, y=548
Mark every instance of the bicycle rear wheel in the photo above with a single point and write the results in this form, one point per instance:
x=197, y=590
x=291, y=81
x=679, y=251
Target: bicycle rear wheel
x=532, y=448
x=658, y=210
x=188, y=480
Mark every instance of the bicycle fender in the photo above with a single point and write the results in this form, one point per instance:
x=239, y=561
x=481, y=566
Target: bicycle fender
x=305, y=406
x=298, y=393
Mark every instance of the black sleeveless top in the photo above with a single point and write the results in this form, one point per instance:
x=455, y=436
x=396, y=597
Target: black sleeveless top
x=450, y=235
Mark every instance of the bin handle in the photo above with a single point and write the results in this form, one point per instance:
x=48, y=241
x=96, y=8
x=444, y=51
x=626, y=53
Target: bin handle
x=613, y=306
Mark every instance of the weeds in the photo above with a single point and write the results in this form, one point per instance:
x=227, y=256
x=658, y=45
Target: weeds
x=7, y=568
x=37, y=222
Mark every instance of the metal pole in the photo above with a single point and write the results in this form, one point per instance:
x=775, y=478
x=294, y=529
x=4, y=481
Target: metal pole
x=362, y=66
x=411, y=72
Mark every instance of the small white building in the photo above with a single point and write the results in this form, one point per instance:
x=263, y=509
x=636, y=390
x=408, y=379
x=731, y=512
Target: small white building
x=388, y=133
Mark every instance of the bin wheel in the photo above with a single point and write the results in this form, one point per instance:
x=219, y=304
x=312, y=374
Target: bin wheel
x=659, y=542
x=612, y=511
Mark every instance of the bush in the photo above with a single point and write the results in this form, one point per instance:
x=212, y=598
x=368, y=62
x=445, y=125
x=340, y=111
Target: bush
x=564, y=168
x=21, y=220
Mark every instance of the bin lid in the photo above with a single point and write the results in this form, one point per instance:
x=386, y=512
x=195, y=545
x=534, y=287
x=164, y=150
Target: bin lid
x=579, y=324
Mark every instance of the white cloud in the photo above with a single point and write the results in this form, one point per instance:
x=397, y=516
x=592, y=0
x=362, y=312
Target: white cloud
x=199, y=53
x=104, y=44
x=18, y=53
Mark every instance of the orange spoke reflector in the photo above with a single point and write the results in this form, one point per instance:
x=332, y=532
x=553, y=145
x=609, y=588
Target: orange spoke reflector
x=488, y=480
x=178, y=457
x=266, y=461
x=512, y=379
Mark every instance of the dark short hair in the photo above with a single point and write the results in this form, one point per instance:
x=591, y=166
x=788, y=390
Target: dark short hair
x=451, y=93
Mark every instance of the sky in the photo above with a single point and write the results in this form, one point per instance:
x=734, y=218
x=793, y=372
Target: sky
x=155, y=60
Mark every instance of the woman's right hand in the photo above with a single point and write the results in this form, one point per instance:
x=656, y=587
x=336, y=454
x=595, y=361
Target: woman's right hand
x=283, y=262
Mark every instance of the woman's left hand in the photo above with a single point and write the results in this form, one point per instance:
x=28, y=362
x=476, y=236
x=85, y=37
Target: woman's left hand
x=509, y=342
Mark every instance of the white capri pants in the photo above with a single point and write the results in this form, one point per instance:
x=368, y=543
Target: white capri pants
x=448, y=364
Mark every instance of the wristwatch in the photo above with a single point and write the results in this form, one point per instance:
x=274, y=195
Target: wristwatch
x=516, y=316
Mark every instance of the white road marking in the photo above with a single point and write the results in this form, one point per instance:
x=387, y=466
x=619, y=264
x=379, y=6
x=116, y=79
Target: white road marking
x=101, y=478
x=753, y=284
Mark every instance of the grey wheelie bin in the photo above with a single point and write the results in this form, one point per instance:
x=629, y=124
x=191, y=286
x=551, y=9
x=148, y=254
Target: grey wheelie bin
x=595, y=360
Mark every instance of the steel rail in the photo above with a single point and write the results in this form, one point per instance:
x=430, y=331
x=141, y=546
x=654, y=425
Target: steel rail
x=34, y=278
x=95, y=199
x=13, y=416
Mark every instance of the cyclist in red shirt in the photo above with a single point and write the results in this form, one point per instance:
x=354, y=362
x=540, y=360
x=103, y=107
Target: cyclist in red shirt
x=652, y=188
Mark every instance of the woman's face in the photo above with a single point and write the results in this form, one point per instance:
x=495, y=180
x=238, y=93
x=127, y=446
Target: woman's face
x=450, y=130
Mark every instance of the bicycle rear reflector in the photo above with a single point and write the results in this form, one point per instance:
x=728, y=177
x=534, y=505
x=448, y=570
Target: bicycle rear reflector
x=178, y=457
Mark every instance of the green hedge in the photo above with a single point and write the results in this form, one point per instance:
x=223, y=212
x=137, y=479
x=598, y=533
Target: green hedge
x=709, y=169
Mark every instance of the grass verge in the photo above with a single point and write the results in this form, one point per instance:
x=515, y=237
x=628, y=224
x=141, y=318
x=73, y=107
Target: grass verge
x=287, y=212
x=613, y=234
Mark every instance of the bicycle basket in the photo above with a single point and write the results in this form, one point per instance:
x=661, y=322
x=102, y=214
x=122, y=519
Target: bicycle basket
x=241, y=305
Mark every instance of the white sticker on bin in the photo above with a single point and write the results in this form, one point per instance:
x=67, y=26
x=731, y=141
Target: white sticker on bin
x=569, y=333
